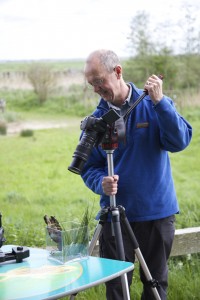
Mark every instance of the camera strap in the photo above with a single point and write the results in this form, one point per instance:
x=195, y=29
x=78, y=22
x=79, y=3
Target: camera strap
x=121, y=122
x=121, y=129
x=133, y=106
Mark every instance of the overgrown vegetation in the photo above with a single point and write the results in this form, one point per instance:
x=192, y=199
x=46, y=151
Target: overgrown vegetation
x=181, y=83
x=67, y=102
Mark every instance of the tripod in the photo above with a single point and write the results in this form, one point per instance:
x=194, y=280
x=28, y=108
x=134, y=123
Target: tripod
x=117, y=216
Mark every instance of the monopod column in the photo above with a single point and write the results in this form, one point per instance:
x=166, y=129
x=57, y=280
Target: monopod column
x=117, y=228
x=111, y=173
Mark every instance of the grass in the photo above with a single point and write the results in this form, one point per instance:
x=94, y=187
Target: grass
x=185, y=168
x=35, y=181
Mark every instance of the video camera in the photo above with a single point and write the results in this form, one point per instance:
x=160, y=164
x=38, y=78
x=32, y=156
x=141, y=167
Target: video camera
x=95, y=131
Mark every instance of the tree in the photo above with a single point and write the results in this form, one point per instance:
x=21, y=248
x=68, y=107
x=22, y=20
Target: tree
x=154, y=56
x=42, y=79
x=190, y=71
x=138, y=69
x=150, y=57
x=140, y=35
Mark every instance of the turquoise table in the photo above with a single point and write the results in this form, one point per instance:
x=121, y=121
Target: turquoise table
x=38, y=277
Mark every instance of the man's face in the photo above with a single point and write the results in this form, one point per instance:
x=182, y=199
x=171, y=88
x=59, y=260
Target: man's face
x=103, y=83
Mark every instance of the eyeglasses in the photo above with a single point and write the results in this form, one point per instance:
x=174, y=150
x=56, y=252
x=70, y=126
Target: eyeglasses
x=97, y=82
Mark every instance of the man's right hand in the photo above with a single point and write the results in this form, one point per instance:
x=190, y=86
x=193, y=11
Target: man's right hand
x=110, y=185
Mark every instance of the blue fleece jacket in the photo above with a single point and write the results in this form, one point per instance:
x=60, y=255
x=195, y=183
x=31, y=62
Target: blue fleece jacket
x=145, y=188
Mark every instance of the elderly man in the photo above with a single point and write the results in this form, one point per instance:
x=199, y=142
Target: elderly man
x=142, y=182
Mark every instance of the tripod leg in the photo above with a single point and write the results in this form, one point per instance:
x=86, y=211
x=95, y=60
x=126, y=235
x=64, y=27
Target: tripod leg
x=94, y=239
x=120, y=250
x=153, y=283
x=102, y=219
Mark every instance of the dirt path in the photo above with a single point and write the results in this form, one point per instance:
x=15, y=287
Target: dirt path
x=16, y=127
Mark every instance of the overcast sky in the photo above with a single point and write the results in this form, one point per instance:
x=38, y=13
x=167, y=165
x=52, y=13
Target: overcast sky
x=66, y=29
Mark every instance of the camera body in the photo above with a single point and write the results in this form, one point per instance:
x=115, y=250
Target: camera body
x=94, y=131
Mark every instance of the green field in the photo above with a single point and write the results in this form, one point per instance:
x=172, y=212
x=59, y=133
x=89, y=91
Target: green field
x=21, y=66
x=35, y=179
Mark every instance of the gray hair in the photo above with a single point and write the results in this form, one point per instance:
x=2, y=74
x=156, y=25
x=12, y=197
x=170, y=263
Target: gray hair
x=107, y=58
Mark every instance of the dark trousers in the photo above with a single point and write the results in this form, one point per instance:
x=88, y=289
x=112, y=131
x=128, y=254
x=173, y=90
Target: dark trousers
x=155, y=240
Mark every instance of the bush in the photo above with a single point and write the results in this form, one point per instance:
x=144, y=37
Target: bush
x=26, y=133
x=42, y=79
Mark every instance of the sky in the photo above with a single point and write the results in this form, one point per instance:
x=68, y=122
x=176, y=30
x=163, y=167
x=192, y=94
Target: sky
x=71, y=29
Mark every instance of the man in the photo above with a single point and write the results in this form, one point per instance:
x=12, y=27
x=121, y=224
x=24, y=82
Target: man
x=143, y=183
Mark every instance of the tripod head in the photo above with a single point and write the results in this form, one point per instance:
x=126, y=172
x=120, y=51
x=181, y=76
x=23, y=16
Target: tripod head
x=110, y=139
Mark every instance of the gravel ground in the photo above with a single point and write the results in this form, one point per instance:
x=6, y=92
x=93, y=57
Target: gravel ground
x=16, y=127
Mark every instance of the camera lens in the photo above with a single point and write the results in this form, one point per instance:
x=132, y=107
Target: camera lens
x=82, y=151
